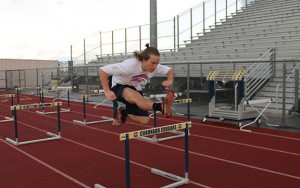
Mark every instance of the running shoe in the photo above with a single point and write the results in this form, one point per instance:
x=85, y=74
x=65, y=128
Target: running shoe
x=115, y=122
x=122, y=114
x=168, y=103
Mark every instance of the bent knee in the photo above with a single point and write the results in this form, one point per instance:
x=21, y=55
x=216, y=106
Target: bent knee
x=140, y=119
x=145, y=121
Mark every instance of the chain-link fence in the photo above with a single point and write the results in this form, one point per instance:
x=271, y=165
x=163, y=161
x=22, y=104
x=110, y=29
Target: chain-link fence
x=191, y=79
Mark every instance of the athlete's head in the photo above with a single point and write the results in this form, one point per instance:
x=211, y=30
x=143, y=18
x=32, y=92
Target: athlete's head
x=149, y=57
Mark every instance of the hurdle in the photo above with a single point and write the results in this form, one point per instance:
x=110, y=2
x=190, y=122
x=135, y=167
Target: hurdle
x=85, y=122
x=178, y=134
x=98, y=91
x=115, y=106
x=53, y=136
x=64, y=89
x=7, y=119
x=154, y=131
x=18, y=90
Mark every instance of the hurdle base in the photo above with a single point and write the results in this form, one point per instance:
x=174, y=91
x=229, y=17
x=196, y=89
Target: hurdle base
x=7, y=119
x=179, y=180
x=179, y=134
x=84, y=122
x=147, y=139
x=98, y=186
x=17, y=143
x=53, y=112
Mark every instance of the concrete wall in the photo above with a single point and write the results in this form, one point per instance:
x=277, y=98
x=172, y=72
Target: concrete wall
x=22, y=64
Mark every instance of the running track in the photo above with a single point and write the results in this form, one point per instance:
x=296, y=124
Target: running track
x=220, y=155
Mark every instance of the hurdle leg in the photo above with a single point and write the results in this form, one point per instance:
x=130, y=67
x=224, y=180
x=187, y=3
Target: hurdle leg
x=127, y=162
x=115, y=109
x=18, y=96
x=58, y=121
x=186, y=150
x=179, y=180
x=16, y=141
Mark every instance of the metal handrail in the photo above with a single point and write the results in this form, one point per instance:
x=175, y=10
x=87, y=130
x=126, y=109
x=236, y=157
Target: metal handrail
x=287, y=79
x=258, y=73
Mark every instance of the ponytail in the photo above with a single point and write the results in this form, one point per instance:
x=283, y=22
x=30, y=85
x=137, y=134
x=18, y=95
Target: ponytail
x=145, y=54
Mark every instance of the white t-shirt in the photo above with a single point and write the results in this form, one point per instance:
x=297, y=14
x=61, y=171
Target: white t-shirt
x=129, y=72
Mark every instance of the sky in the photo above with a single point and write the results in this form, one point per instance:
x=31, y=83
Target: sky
x=45, y=29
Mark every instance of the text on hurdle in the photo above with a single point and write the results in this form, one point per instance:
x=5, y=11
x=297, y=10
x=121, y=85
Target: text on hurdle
x=36, y=105
x=156, y=130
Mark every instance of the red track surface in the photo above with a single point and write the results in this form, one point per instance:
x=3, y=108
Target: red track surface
x=220, y=155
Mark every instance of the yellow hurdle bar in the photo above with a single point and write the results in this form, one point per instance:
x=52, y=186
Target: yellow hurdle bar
x=35, y=105
x=181, y=101
x=21, y=88
x=52, y=90
x=226, y=75
x=7, y=95
x=92, y=95
x=154, y=131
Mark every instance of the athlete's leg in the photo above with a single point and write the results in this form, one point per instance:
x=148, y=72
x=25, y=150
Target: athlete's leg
x=134, y=97
x=139, y=119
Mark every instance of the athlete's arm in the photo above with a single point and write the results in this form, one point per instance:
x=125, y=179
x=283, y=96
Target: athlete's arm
x=104, y=82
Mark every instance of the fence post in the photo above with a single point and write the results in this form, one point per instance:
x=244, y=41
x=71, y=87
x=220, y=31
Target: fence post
x=203, y=18
x=283, y=92
x=296, y=89
x=178, y=31
x=191, y=22
x=112, y=43
x=215, y=13
x=125, y=41
x=100, y=37
x=174, y=32
x=84, y=55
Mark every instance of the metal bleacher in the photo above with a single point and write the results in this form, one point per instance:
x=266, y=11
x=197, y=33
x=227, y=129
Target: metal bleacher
x=246, y=35
x=262, y=25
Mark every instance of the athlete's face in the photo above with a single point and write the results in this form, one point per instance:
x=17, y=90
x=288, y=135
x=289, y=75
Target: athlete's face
x=150, y=64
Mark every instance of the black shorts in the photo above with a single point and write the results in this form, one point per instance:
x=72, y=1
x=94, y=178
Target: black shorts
x=130, y=108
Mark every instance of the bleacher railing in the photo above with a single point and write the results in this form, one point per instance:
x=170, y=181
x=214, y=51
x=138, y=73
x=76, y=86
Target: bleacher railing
x=259, y=73
x=171, y=34
x=290, y=87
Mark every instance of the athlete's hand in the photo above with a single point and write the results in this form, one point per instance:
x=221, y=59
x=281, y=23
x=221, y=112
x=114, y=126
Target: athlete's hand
x=166, y=83
x=110, y=95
